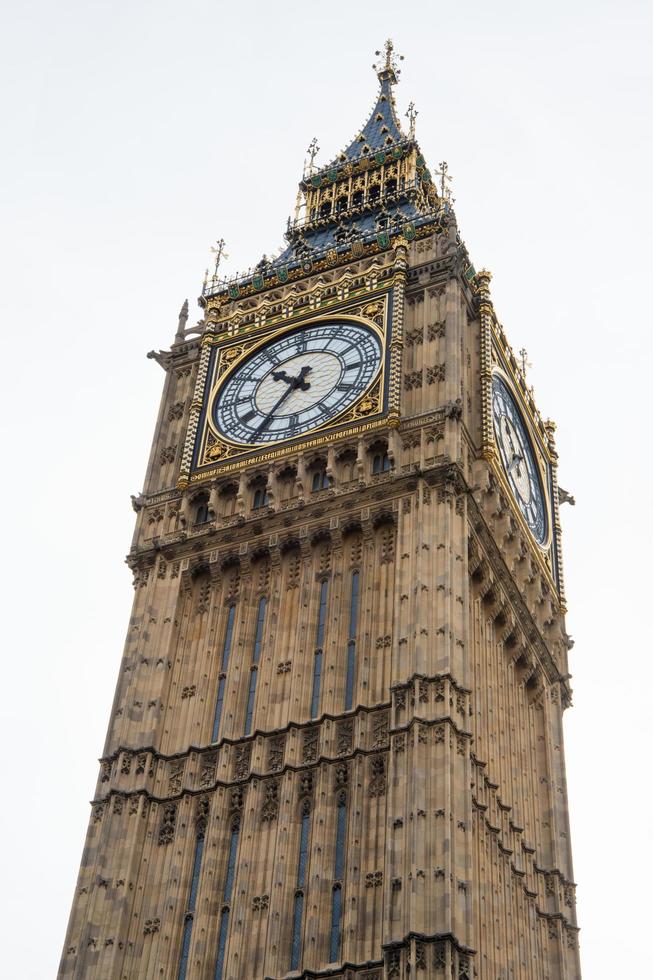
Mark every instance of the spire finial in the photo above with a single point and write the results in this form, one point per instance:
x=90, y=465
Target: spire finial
x=444, y=175
x=389, y=68
x=313, y=150
x=525, y=363
x=183, y=318
x=219, y=252
x=411, y=116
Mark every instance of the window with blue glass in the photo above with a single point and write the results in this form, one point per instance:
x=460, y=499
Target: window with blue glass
x=226, y=900
x=201, y=504
x=319, y=645
x=335, y=936
x=380, y=463
x=351, y=641
x=226, y=650
x=192, y=898
x=256, y=656
x=320, y=481
x=298, y=912
x=261, y=498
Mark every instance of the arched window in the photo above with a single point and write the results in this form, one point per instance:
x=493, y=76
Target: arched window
x=341, y=204
x=201, y=504
x=381, y=463
x=357, y=199
x=375, y=193
x=320, y=481
x=256, y=656
x=299, y=892
x=226, y=650
x=192, y=899
x=325, y=209
x=351, y=641
x=260, y=498
x=338, y=872
x=391, y=186
x=319, y=645
x=226, y=901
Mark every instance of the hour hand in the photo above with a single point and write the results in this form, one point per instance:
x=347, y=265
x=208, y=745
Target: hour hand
x=516, y=460
x=282, y=376
x=299, y=381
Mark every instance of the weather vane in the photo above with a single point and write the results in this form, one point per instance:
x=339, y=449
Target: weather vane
x=219, y=252
x=525, y=363
x=444, y=175
x=411, y=116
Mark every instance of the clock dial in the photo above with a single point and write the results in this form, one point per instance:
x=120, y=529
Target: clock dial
x=297, y=382
x=518, y=459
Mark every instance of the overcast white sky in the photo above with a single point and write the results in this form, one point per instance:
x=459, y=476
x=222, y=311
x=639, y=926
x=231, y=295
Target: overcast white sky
x=135, y=134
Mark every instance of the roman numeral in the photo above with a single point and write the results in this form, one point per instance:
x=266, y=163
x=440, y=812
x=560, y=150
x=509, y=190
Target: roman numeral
x=247, y=416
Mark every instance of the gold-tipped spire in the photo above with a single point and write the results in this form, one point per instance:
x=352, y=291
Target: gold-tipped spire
x=388, y=68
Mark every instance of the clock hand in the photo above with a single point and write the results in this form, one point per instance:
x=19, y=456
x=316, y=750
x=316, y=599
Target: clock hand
x=299, y=381
x=268, y=418
x=509, y=434
x=516, y=460
x=293, y=384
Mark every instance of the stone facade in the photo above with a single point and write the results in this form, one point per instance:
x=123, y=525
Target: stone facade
x=445, y=779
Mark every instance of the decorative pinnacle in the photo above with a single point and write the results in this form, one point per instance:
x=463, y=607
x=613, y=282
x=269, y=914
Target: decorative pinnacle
x=219, y=252
x=444, y=175
x=313, y=150
x=183, y=318
x=482, y=282
x=525, y=363
x=411, y=116
x=389, y=67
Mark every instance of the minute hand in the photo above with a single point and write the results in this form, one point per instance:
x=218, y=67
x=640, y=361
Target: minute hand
x=274, y=408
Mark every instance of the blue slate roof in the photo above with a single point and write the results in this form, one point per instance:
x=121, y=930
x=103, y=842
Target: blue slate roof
x=383, y=123
x=319, y=240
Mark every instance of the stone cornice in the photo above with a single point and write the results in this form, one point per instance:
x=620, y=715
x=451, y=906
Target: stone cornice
x=519, y=607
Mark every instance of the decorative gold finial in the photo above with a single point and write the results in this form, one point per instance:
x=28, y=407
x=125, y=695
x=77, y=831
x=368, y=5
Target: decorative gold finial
x=482, y=284
x=411, y=116
x=525, y=363
x=219, y=252
x=444, y=175
x=389, y=68
x=313, y=150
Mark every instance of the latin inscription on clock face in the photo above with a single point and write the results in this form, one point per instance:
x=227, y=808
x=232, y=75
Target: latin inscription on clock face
x=297, y=382
x=518, y=458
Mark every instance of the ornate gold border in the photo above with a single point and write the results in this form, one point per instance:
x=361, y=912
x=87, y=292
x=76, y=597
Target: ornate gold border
x=361, y=413
x=538, y=453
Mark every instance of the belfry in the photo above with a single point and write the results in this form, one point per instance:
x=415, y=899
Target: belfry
x=336, y=745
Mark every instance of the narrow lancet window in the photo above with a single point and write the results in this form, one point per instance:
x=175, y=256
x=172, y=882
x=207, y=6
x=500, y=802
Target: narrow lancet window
x=226, y=650
x=192, y=899
x=298, y=912
x=351, y=641
x=226, y=899
x=258, y=642
x=319, y=643
x=338, y=871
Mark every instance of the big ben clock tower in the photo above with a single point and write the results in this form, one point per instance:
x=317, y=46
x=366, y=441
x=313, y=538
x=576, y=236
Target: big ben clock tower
x=336, y=743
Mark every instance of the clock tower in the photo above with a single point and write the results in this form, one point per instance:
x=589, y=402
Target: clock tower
x=336, y=743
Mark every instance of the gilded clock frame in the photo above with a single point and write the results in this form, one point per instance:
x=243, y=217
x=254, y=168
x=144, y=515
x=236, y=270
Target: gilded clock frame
x=354, y=419
x=539, y=456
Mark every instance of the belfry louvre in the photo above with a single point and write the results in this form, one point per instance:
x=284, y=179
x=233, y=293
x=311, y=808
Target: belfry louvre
x=336, y=743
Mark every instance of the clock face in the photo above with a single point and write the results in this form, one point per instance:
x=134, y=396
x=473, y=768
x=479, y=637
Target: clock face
x=297, y=382
x=518, y=459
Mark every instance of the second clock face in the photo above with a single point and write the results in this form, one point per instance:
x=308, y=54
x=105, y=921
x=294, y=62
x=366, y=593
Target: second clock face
x=518, y=459
x=297, y=382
